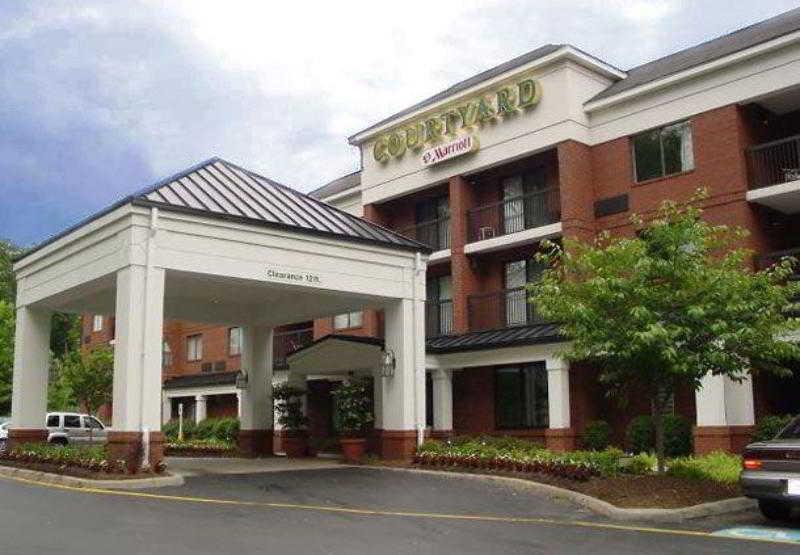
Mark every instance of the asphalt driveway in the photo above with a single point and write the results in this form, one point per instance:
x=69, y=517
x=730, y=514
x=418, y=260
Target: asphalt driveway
x=330, y=510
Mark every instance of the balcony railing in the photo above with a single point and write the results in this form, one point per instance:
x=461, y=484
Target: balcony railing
x=438, y=318
x=774, y=163
x=514, y=214
x=501, y=309
x=434, y=233
x=287, y=342
x=766, y=260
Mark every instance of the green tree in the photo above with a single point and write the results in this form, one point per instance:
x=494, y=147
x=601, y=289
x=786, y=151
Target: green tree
x=89, y=376
x=7, y=323
x=8, y=289
x=668, y=306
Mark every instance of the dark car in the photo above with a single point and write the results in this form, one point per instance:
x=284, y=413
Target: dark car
x=771, y=472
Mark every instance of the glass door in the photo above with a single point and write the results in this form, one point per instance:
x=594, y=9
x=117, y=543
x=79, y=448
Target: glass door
x=513, y=205
x=516, y=294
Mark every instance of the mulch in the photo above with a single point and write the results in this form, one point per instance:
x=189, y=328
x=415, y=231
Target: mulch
x=628, y=491
x=75, y=472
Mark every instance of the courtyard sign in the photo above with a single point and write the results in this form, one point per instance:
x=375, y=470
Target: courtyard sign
x=481, y=110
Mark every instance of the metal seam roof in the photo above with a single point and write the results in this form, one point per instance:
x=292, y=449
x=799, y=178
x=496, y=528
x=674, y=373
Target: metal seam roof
x=220, y=189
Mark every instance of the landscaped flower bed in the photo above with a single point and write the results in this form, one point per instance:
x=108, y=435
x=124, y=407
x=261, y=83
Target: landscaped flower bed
x=71, y=460
x=200, y=448
x=622, y=480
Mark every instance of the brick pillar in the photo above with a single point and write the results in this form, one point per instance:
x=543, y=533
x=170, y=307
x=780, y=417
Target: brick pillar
x=465, y=281
x=129, y=447
x=576, y=190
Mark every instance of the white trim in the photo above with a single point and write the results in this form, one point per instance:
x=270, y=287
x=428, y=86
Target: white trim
x=514, y=239
x=784, y=197
x=549, y=352
x=707, y=67
x=439, y=256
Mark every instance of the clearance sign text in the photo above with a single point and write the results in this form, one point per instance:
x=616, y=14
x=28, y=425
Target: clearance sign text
x=434, y=130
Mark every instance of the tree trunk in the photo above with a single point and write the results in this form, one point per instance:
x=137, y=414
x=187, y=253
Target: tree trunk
x=658, y=423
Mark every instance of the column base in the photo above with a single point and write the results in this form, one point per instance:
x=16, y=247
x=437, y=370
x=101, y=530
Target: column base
x=396, y=444
x=255, y=443
x=441, y=435
x=20, y=436
x=560, y=439
x=128, y=447
x=733, y=439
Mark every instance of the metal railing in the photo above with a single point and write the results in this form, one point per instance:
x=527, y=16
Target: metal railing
x=514, y=214
x=501, y=309
x=766, y=260
x=774, y=163
x=434, y=233
x=287, y=342
x=438, y=318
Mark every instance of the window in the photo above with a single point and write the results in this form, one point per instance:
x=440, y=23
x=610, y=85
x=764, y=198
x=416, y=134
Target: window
x=523, y=208
x=235, y=342
x=348, y=320
x=664, y=151
x=53, y=421
x=92, y=423
x=194, y=347
x=72, y=421
x=439, y=306
x=432, y=217
x=518, y=274
x=166, y=355
x=521, y=396
x=97, y=323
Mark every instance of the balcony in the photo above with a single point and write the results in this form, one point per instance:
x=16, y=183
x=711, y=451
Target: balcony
x=774, y=172
x=501, y=309
x=516, y=220
x=433, y=233
x=438, y=318
x=287, y=342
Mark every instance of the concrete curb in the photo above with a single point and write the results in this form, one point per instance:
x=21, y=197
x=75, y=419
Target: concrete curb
x=72, y=481
x=599, y=506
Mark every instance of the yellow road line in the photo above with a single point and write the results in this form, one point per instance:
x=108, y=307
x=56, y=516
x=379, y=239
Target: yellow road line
x=379, y=512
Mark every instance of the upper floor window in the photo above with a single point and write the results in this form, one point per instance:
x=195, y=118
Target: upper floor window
x=348, y=320
x=166, y=355
x=235, y=342
x=194, y=347
x=97, y=323
x=664, y=151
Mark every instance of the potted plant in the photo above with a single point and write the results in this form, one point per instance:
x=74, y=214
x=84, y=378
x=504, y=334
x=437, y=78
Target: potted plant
x=289, y=406
x=354, y=412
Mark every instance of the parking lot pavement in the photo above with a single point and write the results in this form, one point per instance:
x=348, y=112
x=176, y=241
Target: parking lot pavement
x=338, y=510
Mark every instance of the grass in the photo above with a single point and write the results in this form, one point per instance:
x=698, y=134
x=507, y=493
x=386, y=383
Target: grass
x=718, y=467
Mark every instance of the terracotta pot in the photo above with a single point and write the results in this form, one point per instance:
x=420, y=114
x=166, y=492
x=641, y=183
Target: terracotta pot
x=353, y=448
x=295, y=446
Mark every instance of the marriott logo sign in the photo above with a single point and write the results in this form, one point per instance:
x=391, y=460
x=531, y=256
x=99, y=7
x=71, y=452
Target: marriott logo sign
x=448, y=151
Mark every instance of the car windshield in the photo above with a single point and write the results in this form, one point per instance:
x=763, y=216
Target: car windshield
x=792, y=431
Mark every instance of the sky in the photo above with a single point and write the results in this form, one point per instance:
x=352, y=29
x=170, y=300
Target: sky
x=99, y=99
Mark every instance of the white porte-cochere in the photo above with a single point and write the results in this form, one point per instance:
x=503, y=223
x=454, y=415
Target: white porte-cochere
x=157, y=257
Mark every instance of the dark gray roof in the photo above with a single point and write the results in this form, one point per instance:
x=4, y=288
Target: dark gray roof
x=219, y=189
x=493, y=339
x=200, y=380
x=540, y=52
x=741, y=39
x=339, y=185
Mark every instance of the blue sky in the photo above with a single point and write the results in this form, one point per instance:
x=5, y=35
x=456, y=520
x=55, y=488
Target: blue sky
x=98, y=99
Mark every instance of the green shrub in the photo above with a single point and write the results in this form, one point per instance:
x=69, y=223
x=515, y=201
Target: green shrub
x=677, y=436
x=227, y=429
x=718, y=466
x=204, y=430
x=643, y=463
x=597, y=435
x=639, y=436
x=769, y=426
x=170, y=430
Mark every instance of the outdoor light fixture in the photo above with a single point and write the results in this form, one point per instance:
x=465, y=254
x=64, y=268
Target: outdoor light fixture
x=388, y=363
x=241, y=380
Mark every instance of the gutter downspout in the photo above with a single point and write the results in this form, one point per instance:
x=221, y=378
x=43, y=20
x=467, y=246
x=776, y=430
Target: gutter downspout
x=145, y=328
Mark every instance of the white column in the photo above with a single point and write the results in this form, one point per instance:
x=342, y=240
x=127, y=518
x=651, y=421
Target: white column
x=723, y=402
x=256, y=400
x=397, y=392
x=558, y=393
x=31, y=368
x=137, y=349
x=239, y=404
x=442, y=399
x=200, y=408
x=166, y=410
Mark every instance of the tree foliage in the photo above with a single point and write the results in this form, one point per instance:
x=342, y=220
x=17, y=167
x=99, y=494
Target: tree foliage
x=669, y=306
x=89, y=376
x=6, y=354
